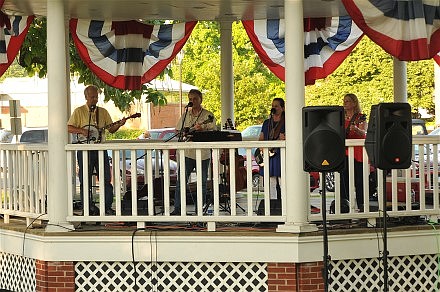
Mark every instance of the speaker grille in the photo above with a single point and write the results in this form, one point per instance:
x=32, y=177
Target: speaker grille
x=396, y=142
x=324, y=150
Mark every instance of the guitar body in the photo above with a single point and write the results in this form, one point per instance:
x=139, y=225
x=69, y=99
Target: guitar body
x=95, y=133
x=189, y=131
x=259, y=157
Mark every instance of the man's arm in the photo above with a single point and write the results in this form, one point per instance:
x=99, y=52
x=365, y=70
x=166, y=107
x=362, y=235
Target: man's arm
x=76, y=130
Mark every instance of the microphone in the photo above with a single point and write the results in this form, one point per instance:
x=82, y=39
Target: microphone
x=190, y=104
x=92, y=107
x=272, y=111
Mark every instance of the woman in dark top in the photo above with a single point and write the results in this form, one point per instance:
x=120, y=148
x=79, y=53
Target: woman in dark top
x=274, y=129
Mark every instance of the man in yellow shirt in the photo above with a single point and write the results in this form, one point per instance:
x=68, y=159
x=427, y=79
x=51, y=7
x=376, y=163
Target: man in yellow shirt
x=85, y=122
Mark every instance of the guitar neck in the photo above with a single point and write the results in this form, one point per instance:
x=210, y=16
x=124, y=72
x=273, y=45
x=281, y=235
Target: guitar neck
x=114, y=123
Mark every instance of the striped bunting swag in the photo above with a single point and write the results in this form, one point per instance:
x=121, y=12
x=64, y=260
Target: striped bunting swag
x=328, y=41
x=127, y=54
x=13, y=30
x=406, y=29
x=437, y=58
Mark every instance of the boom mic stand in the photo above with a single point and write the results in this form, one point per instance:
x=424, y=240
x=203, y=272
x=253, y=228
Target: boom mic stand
x=92, y=108
x=190, y=104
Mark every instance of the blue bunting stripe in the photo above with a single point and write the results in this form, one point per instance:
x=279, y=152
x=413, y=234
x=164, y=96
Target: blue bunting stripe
x=406, y=29
x=13, y=30
x=127, y=54
x=328, y=41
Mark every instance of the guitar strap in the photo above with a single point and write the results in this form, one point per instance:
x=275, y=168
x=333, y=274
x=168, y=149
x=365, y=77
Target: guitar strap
x=198, y=116
x=97, y=126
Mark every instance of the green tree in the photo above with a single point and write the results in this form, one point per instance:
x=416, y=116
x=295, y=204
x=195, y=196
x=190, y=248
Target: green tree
x=254, y=85
x=33, y=57
x=368, y=72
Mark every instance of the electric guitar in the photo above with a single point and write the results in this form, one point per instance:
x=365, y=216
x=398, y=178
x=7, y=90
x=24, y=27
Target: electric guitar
x=95, y=133
x=259, y=157
x=355, y=121
x=188, y=131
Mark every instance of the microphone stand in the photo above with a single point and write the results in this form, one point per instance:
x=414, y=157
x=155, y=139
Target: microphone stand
x=269, y=134
x=183, y=125
x=92, y=107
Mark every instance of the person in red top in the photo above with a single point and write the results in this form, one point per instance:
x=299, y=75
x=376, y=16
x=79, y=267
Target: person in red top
x=355, y=128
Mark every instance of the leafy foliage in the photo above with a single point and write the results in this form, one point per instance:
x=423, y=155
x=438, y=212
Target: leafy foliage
x=254, y=85
x=124, y=134
x=367, y=72
x=33, y=57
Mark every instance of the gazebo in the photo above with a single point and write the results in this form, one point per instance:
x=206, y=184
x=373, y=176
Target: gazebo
x=39, y=183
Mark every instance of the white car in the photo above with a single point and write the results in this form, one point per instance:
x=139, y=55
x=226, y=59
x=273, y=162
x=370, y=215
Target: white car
x=435, y=132
x=32, y=135
x=251, y=133
x=140, y=166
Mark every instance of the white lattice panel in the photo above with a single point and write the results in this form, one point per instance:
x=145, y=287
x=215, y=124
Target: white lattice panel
x=112, y=276
x=406, y=273
x=17, y=273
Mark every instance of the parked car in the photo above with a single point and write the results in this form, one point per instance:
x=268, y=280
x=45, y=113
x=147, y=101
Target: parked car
x=32, y=135
x=159, y=134
x=162, y=134
x=435, y=132
x=5, y=136
x=251, y=133
x=140, y=167
x=255, y=167
x=419, y=127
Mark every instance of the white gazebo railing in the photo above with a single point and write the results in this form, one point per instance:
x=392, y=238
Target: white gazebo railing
x=152, y=179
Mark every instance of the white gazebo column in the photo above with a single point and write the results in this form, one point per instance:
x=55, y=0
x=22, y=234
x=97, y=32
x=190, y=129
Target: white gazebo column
x=227, y=72
x=400, y=80
x=297, y=197
x=58, y=90
x=437, y=94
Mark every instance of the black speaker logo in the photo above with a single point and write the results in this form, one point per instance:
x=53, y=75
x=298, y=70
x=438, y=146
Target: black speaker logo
x=323, y=138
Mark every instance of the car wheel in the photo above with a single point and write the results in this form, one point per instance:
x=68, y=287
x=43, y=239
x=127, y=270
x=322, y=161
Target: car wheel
x=330, y=182
x=255, y=180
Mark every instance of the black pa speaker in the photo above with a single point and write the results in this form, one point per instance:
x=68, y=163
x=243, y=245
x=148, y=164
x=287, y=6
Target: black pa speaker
x=389, y=136
x=323, y=138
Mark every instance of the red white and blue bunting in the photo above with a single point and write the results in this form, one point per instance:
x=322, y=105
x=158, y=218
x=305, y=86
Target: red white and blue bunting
x=437, y=58
x=13, y=30
x=328, y=41
x=127, y=54
x=406, y=29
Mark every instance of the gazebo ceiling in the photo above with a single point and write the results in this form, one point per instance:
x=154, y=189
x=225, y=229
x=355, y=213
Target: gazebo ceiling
x=176, y=9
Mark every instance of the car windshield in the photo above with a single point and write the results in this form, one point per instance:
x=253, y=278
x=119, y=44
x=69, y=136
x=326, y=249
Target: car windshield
x=435, y=132
x=154, y=135
x=34, y=136
x=251, y=131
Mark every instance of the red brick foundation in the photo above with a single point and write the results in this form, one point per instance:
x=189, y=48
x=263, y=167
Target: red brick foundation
x=55, y=276
x=295, y=277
